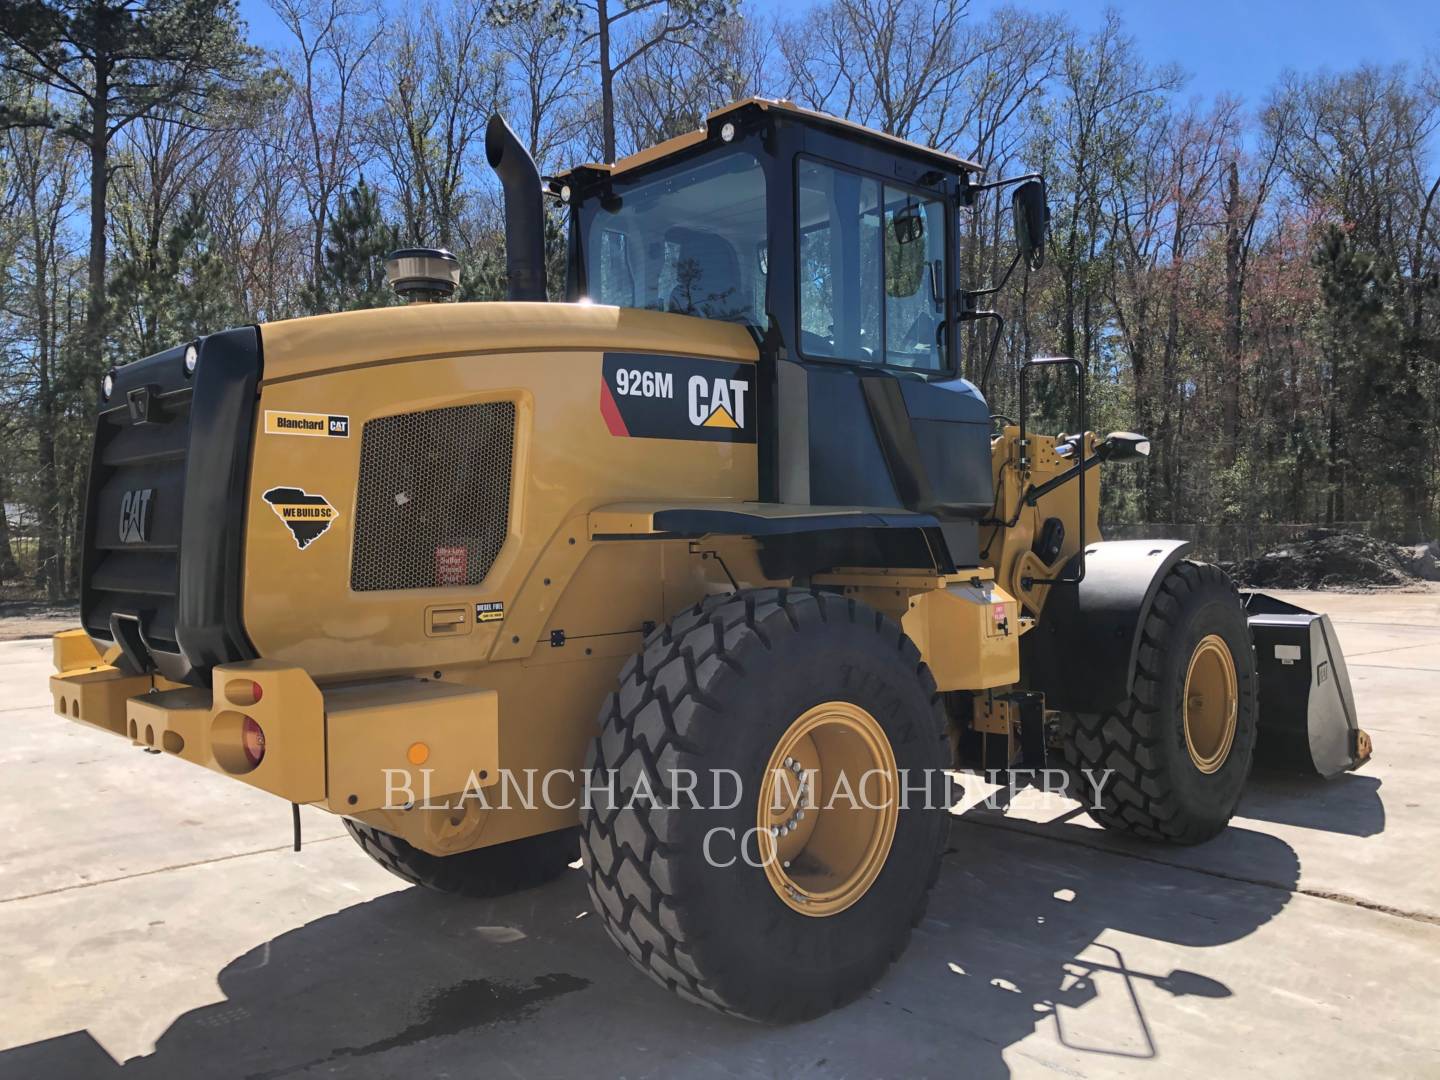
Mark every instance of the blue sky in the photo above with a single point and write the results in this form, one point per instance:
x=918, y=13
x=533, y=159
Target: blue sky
x=1236, y=46
x=1242, y=46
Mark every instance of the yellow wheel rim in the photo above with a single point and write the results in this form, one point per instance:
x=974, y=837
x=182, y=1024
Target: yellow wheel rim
x=829, y=801
x=1212, y=703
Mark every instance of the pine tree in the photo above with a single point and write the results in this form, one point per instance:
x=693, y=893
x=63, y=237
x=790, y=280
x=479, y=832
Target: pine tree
x=353, y=275
x=1378, y=416
x=181, y=291
x=104, y=65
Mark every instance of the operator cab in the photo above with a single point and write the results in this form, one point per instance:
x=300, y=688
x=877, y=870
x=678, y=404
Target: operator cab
x=836, y=246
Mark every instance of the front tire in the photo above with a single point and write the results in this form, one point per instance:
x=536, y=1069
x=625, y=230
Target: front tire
x=1172, y=761
x=807, y=914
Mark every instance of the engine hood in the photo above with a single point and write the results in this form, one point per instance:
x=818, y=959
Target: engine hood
x=296, y=348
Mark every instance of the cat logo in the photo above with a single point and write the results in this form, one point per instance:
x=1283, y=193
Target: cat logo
x=307, y=516
x=135, y=515
x=717, y=403
x=690, y=398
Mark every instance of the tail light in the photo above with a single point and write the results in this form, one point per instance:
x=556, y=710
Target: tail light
x=252, y=739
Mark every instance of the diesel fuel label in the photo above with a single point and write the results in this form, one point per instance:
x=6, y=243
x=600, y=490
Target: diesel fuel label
x=677, y=397
x=305, y=423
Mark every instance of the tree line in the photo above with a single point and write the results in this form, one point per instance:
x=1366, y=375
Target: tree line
x=1256, y=284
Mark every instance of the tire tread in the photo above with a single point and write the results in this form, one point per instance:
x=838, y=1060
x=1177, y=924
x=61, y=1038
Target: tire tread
x=1139, y=799
x=484, y=873
x=626, y=869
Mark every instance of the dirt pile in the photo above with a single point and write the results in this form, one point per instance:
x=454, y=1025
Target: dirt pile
x=1324, y=560
x=27, y=618
x=1423, y=560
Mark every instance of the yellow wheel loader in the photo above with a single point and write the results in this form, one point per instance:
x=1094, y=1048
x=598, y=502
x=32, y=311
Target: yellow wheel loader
x=707, y=574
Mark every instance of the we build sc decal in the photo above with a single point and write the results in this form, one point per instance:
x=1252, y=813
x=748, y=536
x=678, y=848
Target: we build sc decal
x=644, y=396
x=307, y=516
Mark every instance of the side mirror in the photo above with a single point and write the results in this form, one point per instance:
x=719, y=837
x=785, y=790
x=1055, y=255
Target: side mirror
x=1123, y=446
x=905, y=261
x=1032, y=216
x=909, y=224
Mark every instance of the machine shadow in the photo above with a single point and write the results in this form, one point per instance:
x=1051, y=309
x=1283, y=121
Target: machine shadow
x=1350, y=804
x=1031, y=957
x=415, y=983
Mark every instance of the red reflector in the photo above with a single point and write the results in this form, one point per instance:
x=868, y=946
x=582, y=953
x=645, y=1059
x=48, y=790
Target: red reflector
x=256, y=692
x=252, y=738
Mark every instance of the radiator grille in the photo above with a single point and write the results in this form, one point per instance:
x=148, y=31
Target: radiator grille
x=434, y=498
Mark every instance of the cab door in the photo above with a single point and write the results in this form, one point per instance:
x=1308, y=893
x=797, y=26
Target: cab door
x=870, y=412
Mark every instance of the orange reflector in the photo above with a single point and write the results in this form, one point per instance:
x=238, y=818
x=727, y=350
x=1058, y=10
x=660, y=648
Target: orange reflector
x=418, y=753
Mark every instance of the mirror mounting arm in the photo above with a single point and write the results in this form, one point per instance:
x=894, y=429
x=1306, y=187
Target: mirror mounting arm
x=968, y=191
x=969, y=296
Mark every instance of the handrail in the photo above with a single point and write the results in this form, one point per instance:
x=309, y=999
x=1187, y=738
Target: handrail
x=1082, y=465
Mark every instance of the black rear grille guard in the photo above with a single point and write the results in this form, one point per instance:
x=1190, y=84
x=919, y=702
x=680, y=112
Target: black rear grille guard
x=204, y=599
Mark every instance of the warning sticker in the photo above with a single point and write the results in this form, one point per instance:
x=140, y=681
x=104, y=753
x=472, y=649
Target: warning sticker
x=323, y=425
x=307, y=516
x=489, y=611
x=450, y=564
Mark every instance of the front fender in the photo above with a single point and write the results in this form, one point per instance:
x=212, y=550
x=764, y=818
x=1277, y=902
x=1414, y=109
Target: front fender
x=1082, y=654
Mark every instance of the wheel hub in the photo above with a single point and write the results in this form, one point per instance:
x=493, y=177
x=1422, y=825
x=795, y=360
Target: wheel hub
x=1212, y=704
x=828, y=808
x=451, y=830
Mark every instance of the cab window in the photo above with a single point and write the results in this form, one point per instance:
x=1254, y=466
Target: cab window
x=690, y=240
x=872, y=270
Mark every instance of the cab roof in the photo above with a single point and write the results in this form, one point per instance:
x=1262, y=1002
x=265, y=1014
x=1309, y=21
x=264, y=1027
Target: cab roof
x=820, y=119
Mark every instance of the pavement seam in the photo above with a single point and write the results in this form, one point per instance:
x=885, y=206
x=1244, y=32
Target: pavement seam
x=1395, y=667
x=1037, y=831
x=1392, y=648
x=1386, y=625
x=163, y=870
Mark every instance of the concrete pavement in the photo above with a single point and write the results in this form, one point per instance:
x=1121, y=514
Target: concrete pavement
x=153, y=921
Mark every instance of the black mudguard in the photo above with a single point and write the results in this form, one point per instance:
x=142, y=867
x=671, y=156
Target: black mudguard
x=1307, y=710
x=1082, y=654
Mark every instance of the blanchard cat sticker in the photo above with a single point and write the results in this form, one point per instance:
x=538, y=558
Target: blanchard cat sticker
x=303, y=423
x=677, y=397
x=307, y=516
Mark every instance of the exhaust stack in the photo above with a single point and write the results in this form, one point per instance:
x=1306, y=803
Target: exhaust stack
x=524, y=213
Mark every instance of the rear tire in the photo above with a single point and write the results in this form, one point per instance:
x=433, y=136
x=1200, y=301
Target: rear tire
x=1170, y=780
x=482, y=874
x=726, y=686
